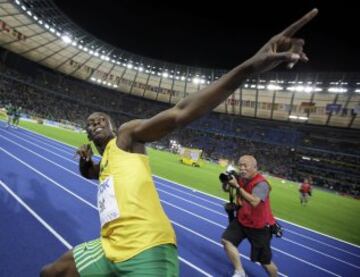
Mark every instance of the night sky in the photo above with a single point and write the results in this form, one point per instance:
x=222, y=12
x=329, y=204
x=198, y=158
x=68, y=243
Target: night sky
x=222, y=34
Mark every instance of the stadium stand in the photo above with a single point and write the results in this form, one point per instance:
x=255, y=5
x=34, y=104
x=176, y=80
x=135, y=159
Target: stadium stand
x=284, y=149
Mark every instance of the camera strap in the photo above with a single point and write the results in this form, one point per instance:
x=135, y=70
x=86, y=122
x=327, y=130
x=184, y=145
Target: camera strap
x=231, y=195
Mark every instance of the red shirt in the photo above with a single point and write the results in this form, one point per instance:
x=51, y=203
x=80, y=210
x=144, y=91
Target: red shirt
x=305, y=188
x=255, y=217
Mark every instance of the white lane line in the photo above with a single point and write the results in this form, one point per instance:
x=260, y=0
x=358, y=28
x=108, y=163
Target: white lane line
x=48, y=160
x=184, y=210
x=210, y=240
x=320, y=242
x=194, y=267
x=325, y=235
x=306, y=262
x=36, y=135
x=43, y=148
x=63, y=240
x=48, y=178
x=276, y=249
x=37, y=217
x=89, y=204
x=72, y=161
x=46, y=144
x=193, y=214
x=193, y=203
x=189, y=193
x=190, y=189
x=321, y=253
x=288, y=230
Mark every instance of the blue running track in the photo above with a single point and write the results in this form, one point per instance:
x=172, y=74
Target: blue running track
x=46, y=207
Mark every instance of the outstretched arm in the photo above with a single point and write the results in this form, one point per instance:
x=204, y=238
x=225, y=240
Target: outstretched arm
x=283, y=48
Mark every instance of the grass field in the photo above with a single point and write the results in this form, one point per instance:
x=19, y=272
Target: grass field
x=327, y=212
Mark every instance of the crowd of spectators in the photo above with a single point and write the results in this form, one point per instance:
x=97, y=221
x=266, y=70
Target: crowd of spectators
x=288, y=150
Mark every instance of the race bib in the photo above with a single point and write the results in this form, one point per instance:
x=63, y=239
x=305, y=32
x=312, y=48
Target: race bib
x=106, y=201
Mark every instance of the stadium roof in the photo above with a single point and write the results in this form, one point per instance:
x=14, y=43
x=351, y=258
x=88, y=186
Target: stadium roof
x=220, y=35
x=59, y=24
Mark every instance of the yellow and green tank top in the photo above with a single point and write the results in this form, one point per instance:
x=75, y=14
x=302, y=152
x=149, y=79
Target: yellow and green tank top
x=131, y=215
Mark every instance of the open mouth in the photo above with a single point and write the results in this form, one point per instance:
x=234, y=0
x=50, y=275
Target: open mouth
x=98, y=130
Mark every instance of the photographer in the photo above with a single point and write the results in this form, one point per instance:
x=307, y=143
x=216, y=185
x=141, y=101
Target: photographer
x=254, y=218
x=305, y=191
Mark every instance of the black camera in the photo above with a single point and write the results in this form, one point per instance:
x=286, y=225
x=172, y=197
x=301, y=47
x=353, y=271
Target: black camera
x=226, y=176
x=276, y=230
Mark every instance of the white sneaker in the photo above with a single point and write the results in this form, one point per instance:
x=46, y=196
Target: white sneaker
x=239, y=273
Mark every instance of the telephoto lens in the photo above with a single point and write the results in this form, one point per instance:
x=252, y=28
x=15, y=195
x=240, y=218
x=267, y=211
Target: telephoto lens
x=224, y=177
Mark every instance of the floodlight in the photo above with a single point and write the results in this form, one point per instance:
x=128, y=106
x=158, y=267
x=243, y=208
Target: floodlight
x=274, y=87
x=66, y=39
x=337, y=90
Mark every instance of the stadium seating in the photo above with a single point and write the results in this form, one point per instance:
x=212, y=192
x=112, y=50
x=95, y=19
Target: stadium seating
x=288, y=150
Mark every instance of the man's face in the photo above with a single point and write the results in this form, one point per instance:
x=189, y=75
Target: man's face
x=247, y=167
x=98, y=128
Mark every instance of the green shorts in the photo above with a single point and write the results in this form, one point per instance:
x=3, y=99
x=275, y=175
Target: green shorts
x=161, y=260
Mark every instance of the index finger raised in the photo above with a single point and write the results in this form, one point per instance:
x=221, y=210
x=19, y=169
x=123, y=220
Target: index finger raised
x=296, y=26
